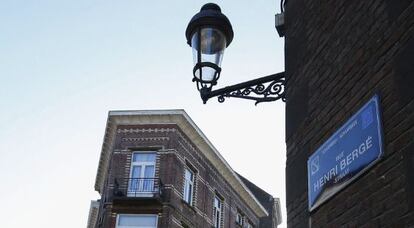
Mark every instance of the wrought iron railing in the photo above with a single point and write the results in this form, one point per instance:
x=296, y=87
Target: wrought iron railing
x=137, y=187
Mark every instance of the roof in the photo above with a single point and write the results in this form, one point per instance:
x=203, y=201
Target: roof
x=271, y=204
x=262, y=196
x=190, y=129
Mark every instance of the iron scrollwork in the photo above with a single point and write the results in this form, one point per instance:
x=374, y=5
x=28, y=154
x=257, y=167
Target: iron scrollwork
x=265, y=89
x=264, y=93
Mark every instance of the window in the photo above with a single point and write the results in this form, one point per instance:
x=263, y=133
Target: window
x=136, y=221
x=239, y=219
x=188, y=186
x=242, y=220
x=218, y=212
x=142, y=173
x=249, y=224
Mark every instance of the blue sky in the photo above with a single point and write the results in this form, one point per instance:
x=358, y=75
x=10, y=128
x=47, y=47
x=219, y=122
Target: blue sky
x=65, y=64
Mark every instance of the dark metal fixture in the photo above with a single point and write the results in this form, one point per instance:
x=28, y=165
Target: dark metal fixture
x=282, y=5
x=280, y=19
x=209, y=33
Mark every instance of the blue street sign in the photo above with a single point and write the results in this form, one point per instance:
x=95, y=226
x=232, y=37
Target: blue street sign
x=348, y=153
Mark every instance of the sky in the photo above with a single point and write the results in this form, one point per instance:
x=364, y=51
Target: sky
x=64, y=64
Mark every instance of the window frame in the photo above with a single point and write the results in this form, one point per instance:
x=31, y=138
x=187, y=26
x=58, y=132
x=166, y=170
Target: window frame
x=143, y=165
x=241, y=216
x=221, y=211
x=189, y=186
x=136, y=215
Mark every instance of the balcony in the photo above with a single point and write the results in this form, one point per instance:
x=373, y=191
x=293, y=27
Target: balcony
x=137, y=187
x=144, y=195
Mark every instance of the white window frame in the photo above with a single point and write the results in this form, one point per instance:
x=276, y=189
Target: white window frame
x=239, y=219
x=136, y=215
x=218, y=217
x=189, y=186
x=143, y=165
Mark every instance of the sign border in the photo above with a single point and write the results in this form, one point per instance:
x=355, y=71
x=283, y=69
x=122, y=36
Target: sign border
x=376, y=99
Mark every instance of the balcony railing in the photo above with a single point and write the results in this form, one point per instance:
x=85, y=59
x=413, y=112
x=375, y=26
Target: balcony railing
x=137, y=187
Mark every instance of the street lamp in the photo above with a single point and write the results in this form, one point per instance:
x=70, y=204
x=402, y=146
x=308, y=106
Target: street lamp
x=209, y=33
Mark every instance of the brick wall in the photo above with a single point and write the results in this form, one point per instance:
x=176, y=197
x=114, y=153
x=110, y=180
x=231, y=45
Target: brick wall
x=338, y=55
x=174, y=152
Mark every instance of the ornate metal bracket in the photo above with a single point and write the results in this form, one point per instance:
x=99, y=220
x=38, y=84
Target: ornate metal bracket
x=265, y=89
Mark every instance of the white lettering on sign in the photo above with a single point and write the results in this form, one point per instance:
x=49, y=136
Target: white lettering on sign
x=329, y=146
x=325, y=178
x=359, y=151
x=349, y=128
x=341, y=169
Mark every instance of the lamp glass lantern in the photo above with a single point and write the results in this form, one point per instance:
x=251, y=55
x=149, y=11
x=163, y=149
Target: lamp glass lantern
x=208, y=33
x=208, y=46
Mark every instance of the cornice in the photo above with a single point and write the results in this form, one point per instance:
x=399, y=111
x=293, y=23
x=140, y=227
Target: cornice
x=190, y=129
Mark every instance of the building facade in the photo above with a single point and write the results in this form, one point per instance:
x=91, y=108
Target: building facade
x=157, y=169
x=339, y=54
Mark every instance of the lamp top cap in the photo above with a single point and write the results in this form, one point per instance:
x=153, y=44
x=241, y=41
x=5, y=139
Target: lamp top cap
x=210, y=16
x=211, y=6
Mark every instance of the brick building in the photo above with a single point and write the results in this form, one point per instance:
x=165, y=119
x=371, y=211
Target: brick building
x=338, y=55
x=157, y=169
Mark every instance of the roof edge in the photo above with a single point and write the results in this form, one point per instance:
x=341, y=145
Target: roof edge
x=189, y=128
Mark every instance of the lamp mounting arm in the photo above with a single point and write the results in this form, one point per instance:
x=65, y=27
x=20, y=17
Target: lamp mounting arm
x=264, y=89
